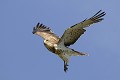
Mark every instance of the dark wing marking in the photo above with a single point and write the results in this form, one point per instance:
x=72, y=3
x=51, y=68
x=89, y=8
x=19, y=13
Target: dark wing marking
x=45, y=32
x=72, y=34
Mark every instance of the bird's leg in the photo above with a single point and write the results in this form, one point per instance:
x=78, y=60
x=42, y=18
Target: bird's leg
x=65, y=66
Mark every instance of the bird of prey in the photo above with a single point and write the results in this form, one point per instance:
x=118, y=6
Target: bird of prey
x=60, y=45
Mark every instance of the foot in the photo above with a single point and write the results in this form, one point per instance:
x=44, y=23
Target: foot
x=65, y=66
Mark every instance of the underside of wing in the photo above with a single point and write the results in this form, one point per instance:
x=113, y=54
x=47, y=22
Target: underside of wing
x=72, y=34
x=45, y=32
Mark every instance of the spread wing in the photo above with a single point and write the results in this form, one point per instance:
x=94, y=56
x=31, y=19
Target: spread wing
x=45, y=33
x=72, y=34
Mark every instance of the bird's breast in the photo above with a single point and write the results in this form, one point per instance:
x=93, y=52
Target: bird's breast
x=50, y=47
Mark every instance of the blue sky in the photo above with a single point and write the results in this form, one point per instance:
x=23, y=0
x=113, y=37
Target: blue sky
x=24, y=57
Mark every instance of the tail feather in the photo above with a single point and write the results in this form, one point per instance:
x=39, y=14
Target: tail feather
x=76, y=53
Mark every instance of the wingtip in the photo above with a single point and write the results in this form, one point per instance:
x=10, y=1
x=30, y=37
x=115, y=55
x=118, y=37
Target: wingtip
x=99, y=13
x=38, y=24
x=33, y=30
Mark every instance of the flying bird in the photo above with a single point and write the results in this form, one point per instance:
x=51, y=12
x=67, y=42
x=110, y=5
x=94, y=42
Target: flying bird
x=60, y=45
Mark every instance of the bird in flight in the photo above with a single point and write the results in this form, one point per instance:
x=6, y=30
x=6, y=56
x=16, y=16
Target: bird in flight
x=60, y=45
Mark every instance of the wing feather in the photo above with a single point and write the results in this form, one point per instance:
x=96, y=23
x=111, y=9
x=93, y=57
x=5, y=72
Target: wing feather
x=45, y=33
x=72, y=34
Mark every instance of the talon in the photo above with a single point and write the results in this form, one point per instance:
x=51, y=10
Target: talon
x=65, y=66
x=65, y=69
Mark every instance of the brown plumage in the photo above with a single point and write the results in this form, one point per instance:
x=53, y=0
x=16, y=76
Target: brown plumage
x=60, y=46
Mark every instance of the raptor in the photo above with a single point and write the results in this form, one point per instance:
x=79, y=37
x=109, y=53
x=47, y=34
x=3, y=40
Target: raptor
x=60, y=45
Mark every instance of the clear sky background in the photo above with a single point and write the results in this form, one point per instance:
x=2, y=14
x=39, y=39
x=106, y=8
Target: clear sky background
x=24, y=57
